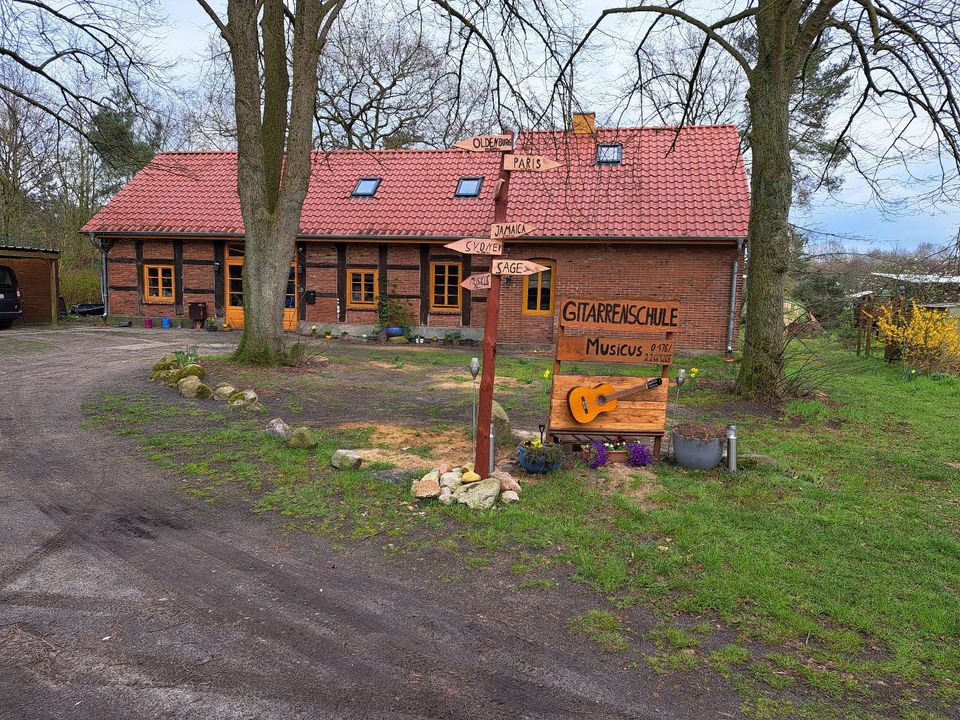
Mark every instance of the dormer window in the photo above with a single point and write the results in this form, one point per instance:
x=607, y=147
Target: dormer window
x=469, y=187
x=366, y=187
x=611, y=154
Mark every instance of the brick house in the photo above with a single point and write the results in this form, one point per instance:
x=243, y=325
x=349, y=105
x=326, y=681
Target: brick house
x=643, y=213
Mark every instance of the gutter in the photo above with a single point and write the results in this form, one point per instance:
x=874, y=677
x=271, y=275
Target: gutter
x=733, y=295
x=104, y=292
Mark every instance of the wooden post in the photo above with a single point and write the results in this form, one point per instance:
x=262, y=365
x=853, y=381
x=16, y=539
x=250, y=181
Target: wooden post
x=489, y=367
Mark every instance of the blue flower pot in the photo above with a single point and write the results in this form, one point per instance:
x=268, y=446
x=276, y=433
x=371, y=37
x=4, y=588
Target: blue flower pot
x=393, y=331
x=540, y=466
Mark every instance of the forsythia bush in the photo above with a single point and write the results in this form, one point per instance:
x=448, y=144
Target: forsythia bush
x=928, y=340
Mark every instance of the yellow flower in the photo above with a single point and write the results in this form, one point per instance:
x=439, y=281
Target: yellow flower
x=694, y=372
x=546, y=373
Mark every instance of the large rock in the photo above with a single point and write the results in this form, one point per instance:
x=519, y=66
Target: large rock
x=452, y=480
x=346, y=460
x=279, y=429
x=191, y=387
x=501, y=425
x=428, y=486
x=191, y=370
x=224, y=391
x=302, y=438
x=242, y=398
x=480, y=495
x=506, y=480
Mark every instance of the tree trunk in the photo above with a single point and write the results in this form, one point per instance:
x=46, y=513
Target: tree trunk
x=274, y=144
x=771, y=183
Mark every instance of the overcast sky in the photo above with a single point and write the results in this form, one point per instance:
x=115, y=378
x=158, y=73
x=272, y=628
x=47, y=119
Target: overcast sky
x=855, y=218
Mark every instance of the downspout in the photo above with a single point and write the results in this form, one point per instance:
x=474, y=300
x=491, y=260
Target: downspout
x=733, y=295
x=104, y=296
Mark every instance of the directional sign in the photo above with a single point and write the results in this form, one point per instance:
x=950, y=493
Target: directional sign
x=515, y=267
x=477, y=246
x=476, y=282
x=505, y=231
x=485, y=143
x=529, y=163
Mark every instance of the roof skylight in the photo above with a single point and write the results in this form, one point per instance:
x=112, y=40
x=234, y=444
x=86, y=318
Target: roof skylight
x=610, y=154
x=366, y=187
x=469, y=187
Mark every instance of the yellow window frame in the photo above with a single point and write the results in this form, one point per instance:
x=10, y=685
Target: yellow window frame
x=362, y=305
x=434, y=266
x=153, y=292
x=527, y=279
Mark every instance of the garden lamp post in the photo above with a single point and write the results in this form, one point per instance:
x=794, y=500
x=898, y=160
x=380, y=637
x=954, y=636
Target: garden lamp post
x=474, y=371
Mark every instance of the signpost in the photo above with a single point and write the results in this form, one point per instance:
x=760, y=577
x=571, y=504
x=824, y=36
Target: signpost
x=477, y=246
x=477, y=282
x=528, y=163
x=613, y=409
x=500, y=231
x=500, y=266
x=506, y=231
x=487, y=143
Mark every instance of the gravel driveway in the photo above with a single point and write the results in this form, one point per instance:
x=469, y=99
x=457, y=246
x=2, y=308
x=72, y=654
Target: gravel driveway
x=122, y=598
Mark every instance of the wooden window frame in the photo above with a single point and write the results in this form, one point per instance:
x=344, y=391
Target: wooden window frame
x=552, y=264
x=446, y=308
x=376, y=289
x=147, y=297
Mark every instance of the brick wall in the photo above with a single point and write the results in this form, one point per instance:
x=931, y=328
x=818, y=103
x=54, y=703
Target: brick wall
x=37, y=287
x=698, y=276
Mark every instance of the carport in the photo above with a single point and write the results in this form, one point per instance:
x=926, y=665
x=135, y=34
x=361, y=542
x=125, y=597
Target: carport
x=38, y=272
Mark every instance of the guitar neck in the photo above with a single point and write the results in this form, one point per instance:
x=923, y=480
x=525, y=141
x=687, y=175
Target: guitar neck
x=632, y=391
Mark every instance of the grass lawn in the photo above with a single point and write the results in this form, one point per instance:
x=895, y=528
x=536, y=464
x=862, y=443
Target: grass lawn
x=828, y=586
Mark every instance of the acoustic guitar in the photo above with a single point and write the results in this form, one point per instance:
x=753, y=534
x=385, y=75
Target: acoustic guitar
x=586, y=403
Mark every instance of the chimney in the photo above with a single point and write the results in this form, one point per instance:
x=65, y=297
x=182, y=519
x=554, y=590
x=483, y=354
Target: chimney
x=583, y=123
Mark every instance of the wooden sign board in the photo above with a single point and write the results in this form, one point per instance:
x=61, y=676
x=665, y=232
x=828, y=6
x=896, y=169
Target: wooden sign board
x=477, y=282
x=487, y=143
x=620, y=314
x=615, y=350
x=477, y=246
x=500, y=266
x=505, y=231
x=529, y=163
x=644, y=412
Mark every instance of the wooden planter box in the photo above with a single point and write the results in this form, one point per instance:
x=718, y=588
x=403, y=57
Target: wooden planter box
x=616, y=456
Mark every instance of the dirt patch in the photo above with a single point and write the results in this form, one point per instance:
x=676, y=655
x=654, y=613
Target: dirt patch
x=395, y=443
x=636, y=483
x=701, y=432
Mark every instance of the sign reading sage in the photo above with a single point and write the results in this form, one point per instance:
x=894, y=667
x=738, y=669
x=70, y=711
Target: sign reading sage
x=618, y=314
x=616, y=350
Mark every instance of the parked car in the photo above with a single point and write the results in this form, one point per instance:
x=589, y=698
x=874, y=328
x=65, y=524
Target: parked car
x=10, y=308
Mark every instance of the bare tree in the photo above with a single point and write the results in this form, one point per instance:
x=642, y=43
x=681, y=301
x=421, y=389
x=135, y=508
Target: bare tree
x=274, y=49
x=904, y=56
x=93, y=40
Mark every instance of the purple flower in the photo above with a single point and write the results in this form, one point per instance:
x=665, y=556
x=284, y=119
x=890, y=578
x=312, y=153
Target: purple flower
x=597, y=454
x=638, y=454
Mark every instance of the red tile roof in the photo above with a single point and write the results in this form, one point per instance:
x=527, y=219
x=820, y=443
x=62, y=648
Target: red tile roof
x=697, y=190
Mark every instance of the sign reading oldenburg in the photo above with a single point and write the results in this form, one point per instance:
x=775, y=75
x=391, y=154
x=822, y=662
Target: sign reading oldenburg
x=529, y=163
x=515, y=267
x=485, y=143
x=477, y=246
x=505, y=231
x=477, y=282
